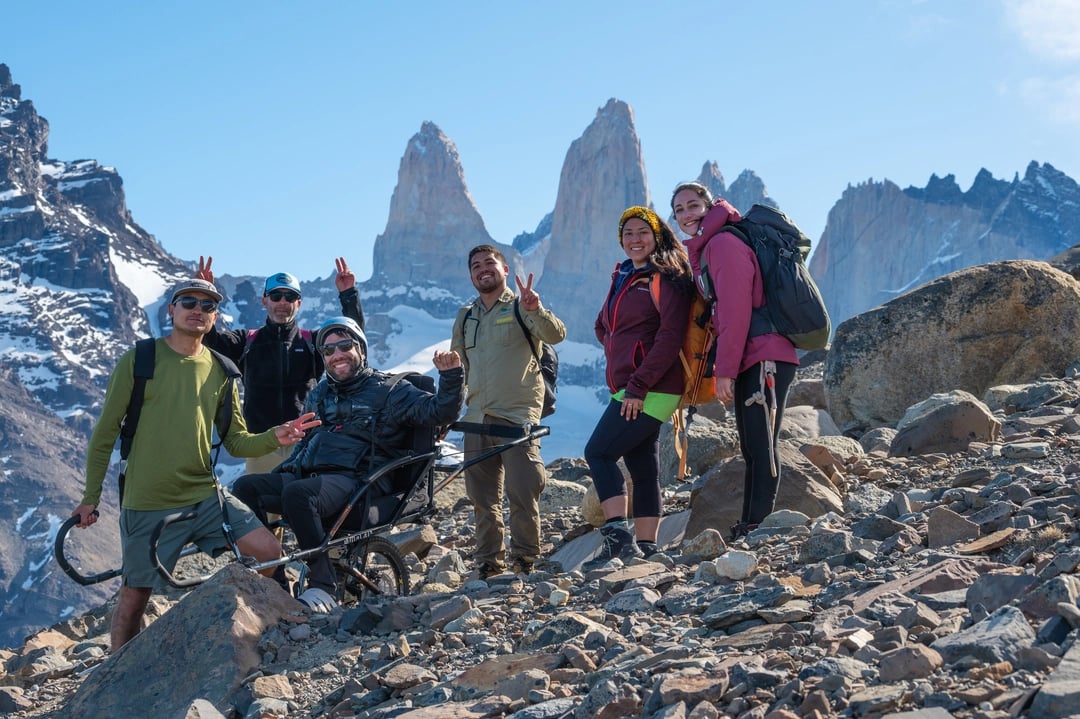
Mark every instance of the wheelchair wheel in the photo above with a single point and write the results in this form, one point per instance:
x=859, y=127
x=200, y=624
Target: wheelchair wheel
x=372, y=568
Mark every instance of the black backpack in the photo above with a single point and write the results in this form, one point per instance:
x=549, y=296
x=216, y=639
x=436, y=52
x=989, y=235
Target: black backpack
x=793, y=304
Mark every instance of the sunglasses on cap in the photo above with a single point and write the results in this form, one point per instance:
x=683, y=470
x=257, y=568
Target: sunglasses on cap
x=189, y=303
x=279, y=295
x=330, y=348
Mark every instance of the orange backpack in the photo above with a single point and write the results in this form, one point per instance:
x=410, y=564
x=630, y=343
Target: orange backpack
x=696, y=350
x=696, y=357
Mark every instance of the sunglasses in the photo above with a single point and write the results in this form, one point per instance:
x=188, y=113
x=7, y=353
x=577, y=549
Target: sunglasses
x=330, y=348
x=278, y=296
x=189, y=303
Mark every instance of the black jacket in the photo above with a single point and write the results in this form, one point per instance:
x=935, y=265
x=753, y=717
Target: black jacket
x=366, y=420
x=279, y=368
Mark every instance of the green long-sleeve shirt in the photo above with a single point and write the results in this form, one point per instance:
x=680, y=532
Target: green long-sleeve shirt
x=502, y=375
x=169, y=465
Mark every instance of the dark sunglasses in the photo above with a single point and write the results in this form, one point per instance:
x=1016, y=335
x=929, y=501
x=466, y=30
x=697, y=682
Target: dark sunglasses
x=330, y=348
x=189, y=303
x=278, y=296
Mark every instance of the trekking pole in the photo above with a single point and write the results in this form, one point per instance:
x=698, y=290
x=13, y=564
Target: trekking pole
x=768, y=375
x=767, y=382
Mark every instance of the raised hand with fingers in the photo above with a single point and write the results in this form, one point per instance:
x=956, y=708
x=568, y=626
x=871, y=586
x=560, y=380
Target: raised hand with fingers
x=345, y=279
x=204, y=272
x=530, y=301
x=293, y=431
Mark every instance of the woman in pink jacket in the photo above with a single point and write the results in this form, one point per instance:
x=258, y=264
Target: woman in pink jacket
x=753, y=373
x=641, y=338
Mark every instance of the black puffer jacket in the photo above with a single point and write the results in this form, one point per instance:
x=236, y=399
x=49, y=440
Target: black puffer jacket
x=365, y=421
x=280, y=367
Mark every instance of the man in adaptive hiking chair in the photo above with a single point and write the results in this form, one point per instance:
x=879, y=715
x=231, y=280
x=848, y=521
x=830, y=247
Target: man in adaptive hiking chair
x=169, y=468
x=279, y=362
x=366, y=416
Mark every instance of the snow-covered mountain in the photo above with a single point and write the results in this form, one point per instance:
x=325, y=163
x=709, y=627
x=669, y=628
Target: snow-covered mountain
x=881, y=241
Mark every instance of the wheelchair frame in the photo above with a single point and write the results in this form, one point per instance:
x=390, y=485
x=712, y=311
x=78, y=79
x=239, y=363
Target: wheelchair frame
x=354, y=547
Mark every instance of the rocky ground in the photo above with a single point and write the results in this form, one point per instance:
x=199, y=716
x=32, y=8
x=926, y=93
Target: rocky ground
x=947, y=587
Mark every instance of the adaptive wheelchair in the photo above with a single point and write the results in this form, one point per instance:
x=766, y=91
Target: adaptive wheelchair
x=366, y=561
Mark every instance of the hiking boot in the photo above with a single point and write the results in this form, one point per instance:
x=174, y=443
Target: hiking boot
x=520, y=565
x=618, y=544
x=742, y=529
x=318, y=600
x=487, y=570
x=647, y=548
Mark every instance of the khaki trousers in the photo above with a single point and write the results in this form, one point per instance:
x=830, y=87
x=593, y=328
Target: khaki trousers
x=520, y=472
x=266, y=463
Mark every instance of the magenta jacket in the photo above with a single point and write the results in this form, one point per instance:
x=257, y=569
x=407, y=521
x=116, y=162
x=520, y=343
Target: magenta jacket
x=736, y=279
x=641, y=344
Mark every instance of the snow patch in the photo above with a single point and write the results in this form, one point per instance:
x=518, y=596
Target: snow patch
x=148, y=287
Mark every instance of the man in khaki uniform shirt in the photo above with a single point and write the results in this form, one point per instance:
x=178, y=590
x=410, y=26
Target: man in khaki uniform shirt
x=505, y=390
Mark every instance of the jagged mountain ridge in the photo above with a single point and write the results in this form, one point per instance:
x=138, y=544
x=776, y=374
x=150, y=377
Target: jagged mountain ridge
x=77, y=278
x=881, y=241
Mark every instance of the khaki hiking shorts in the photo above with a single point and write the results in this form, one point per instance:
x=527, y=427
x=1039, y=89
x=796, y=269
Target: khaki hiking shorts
x=204, y=531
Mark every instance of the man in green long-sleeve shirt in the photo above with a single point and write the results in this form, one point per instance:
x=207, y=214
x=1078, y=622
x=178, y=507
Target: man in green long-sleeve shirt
x=169, y=469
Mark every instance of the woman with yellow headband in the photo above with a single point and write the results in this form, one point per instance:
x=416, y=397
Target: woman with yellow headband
x=641, y=339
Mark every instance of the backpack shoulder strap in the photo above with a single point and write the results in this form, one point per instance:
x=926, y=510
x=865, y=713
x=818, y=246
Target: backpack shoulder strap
x=232, y=373
x=144, y=370
x=525, y=331
x=249, y=338
x=739, y=230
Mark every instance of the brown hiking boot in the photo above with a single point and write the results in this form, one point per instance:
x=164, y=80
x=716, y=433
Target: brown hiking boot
x=521, y=565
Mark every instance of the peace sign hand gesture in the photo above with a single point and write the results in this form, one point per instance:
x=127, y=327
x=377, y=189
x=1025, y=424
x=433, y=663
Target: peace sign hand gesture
x=530, y=301
x=345, y=279
x=204, y=272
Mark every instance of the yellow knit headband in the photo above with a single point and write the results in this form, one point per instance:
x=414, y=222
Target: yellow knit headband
x=642, y=213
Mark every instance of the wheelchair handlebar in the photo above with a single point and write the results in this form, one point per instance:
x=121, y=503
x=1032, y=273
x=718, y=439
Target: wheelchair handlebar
x=156, y=561
x=85, y=580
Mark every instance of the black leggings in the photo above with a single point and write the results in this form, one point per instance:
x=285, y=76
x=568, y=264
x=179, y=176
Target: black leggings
x=637, y=442
x=759, y=485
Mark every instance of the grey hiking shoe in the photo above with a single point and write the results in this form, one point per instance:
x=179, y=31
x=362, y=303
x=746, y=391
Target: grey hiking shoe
x=318, y=600
x=618, y=544
x=647, y=548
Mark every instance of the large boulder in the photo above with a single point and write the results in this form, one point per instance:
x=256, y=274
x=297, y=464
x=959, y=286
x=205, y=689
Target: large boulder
x=717, y=502
x=806, y=422
x=708, y=443
x=946, y=422
x=999, y=323
x=203, y=648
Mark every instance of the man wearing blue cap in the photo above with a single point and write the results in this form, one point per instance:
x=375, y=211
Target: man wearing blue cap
x=278, y=360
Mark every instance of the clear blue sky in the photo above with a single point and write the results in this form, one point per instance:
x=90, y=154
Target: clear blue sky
x=269, y=133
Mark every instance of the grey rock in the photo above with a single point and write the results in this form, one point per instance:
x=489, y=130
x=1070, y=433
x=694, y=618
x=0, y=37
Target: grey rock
x=999, y=637
x=1059, y=696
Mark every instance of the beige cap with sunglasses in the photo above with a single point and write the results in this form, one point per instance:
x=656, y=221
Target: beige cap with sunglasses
x=196, y=285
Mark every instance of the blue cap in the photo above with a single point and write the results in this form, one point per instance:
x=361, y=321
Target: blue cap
x=281, y=281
